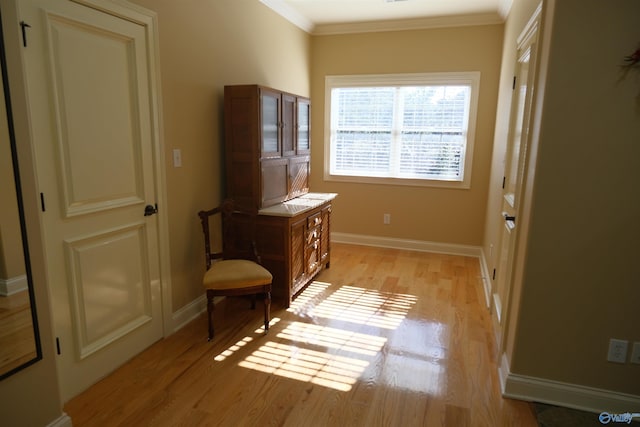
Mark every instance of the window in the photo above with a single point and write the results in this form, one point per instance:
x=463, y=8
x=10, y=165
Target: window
x=413, y=129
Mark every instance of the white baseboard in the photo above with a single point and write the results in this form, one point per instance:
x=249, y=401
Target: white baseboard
x=422, y=246
x=13, y=285
x=189, y=312
x=413, y=245
x=558, y=393
x=63, y=420
x=503, y=371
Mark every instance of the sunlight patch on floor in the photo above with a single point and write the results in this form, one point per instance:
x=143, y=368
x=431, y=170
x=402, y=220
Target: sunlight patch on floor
x=306, y=297
x=365, y=307
x=244, y=341
x=332, y=338
x=331, y=356
x=302, y=364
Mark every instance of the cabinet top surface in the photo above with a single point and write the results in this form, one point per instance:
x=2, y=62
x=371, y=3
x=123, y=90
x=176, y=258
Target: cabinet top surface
x=298, y=205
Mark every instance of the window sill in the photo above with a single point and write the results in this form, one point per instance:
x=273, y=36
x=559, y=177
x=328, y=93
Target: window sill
x=402, y=182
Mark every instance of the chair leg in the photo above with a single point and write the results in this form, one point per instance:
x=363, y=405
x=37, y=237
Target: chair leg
x=210, y=314
x=267, y=308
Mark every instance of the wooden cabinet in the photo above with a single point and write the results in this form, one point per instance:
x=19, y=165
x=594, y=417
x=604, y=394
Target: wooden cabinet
x=267, y=149
x=306, y=250
x=293, y=248
x=267, y=145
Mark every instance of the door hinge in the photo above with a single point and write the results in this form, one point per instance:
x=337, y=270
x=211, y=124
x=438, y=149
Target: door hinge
x=504, y=181
x=24, y=26
x=58, y=346
x=42, y=202
x=514, y=82
x=494, y=274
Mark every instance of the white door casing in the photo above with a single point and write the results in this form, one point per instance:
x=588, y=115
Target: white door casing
x=515, y=166
x=94, y=113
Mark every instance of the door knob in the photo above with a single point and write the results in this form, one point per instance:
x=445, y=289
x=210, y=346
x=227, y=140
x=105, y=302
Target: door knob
x=150, y=210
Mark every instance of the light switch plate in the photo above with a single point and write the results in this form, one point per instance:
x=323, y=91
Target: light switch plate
x=617, y=350
x=177, y=158
x=635, y=353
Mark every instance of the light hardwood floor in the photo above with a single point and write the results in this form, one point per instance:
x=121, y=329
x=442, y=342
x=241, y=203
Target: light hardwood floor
x=383, y=338
x=17, y=342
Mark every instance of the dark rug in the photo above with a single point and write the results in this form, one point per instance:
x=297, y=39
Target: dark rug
x=555, y=416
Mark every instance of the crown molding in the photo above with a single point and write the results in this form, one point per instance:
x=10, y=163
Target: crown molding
x=291, y=15
x=308, y=26
x=504, y=7
x=408, y=24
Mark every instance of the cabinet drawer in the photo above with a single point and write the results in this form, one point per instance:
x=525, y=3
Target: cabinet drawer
x=314, y=220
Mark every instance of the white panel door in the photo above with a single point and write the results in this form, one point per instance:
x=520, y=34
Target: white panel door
x=88, y=90
x=515, y=166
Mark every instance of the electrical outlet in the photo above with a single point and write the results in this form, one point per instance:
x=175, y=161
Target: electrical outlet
x=386, y=219
x=635, y=353
x=617, y=350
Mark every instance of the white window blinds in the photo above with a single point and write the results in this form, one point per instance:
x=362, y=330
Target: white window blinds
x=417, y=132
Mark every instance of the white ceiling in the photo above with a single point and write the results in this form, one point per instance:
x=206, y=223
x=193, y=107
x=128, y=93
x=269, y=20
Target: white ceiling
x=340, y=16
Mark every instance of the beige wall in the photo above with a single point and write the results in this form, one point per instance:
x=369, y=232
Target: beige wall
x=579, y=271
x=418, y=213
x=205, y=45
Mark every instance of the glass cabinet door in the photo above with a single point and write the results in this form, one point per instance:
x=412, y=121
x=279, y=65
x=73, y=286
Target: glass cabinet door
x=288, y=125
x=270, y=123
x=303, y=134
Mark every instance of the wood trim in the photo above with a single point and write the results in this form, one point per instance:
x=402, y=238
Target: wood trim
x=305, y=24
x=533, y=389
x=13, y=285
x=188, y=312
x=63, y=420
x=408, y=24
x=574, y=396
x=412, y=245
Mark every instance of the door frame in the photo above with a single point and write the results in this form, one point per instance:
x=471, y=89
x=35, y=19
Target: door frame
x=148, y=20
x=526, y=170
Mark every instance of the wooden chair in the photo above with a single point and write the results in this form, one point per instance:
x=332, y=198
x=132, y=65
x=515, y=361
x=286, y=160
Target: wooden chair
x=231, y=277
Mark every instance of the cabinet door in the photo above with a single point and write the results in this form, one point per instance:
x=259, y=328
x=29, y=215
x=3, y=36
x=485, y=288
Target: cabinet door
x=275, y=181
x=298, y=176
x=325, y=236
x=303, y=128
x=313, y=259
x=298, y=255
x=270, y=123
x=288, y=125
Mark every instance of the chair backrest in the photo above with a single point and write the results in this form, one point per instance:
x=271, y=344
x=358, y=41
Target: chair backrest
x=205, y=219
x=236, y=235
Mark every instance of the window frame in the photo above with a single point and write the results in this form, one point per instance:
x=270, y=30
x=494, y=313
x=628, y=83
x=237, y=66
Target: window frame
x=470, y=78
